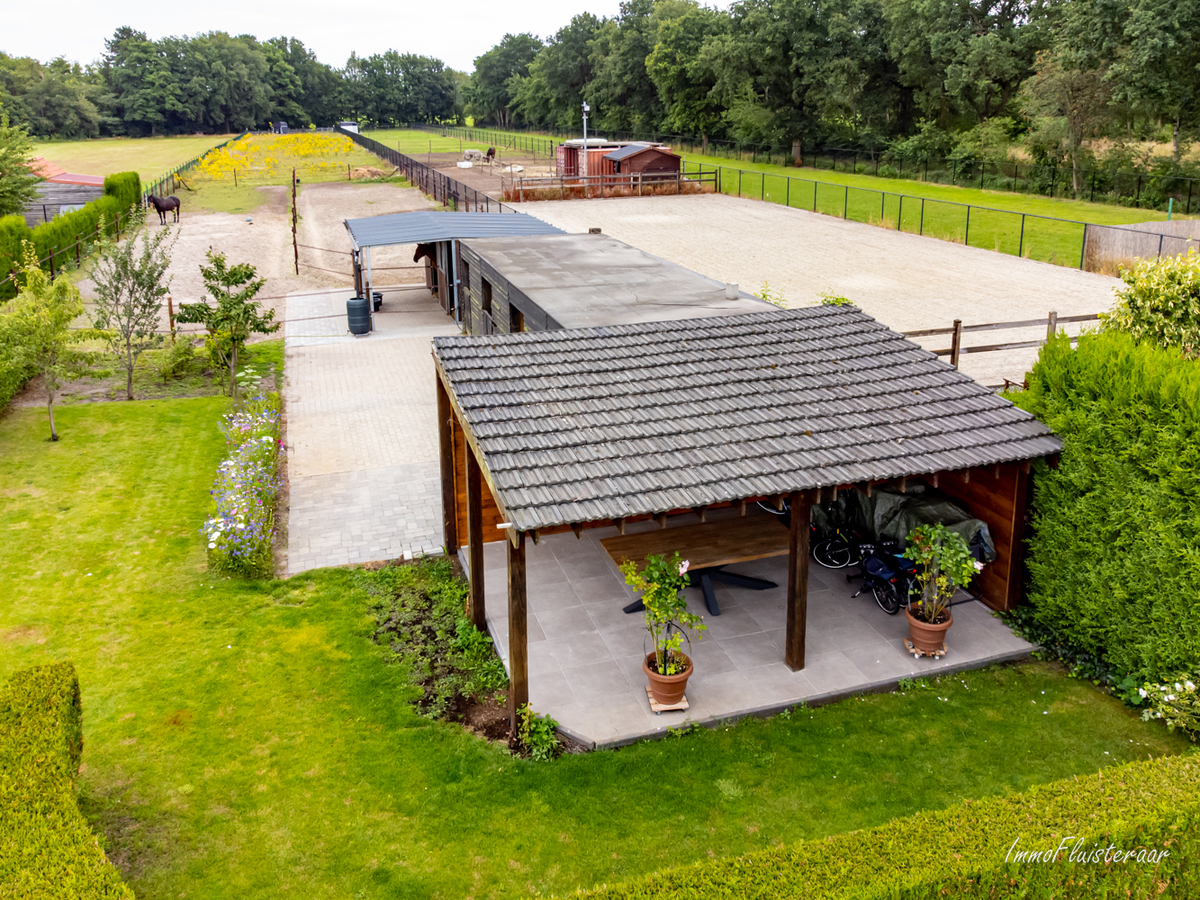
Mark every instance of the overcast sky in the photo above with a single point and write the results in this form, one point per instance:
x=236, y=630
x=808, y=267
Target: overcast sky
x=454, y=31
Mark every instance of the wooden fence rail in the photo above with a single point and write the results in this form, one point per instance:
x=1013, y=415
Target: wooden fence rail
x=958, y=329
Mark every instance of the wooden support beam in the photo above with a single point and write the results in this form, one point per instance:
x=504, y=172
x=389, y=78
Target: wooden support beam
x=778, y=501
x=518, y=630
x=817, y=498
x=445, y=415
x=797, y=585
x=475, y=608
x=536, y=534
x=701, y=511
x=578, y=529
x=966, y=476
x=904, y=485
x=868, y=489
x=1026, y=465
x=833, y=496
x=620, y=526
x=742, y=506
x=996, y=471
x=661, y=519
x=934, y=479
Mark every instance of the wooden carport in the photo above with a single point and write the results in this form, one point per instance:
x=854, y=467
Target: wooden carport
x=565, y=430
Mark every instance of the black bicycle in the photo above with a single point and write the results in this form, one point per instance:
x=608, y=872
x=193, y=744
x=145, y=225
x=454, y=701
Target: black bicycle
x=838, y=550
x=891, y=577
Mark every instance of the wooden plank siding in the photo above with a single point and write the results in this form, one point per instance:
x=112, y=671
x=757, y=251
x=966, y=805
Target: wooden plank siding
x=1000, y=500
x=491, y=513
x=505, y=298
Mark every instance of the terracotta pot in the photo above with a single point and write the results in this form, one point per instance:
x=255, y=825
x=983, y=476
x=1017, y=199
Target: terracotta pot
x=667, y=689
x=925, y=637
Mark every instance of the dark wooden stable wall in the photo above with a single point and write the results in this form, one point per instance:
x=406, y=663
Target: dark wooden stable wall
x=1000, y=497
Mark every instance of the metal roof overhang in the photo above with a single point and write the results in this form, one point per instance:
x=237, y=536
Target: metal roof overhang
x=428, y=226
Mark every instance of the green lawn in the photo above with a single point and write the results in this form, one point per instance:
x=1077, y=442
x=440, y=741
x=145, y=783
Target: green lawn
x=149, y=157
x=414, y=143
x=247, y=740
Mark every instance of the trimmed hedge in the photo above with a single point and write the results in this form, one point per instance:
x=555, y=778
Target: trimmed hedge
x=961, y=851
x=1114, y=552
x=46, y=846
x=54, y=241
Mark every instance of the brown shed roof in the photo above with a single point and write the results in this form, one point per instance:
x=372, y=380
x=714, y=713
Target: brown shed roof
x=599, y=423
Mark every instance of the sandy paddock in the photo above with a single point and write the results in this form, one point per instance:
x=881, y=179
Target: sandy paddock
x=905, y=281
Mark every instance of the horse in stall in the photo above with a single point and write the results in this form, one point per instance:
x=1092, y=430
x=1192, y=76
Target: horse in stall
x=165, y=205
x=425, y=251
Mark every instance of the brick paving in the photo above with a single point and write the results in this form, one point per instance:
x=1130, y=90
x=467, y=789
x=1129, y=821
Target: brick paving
x=362, y=436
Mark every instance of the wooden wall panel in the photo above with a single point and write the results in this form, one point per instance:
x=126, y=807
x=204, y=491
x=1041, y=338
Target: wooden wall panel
x=491, y=513
x=1000, y=501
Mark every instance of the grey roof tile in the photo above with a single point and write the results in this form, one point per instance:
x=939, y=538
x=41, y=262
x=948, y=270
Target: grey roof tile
x=585, y=424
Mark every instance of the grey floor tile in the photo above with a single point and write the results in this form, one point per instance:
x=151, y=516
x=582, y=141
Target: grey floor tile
x=564, y=623
x=580, y=650
x=829, y=672
x=750, y=651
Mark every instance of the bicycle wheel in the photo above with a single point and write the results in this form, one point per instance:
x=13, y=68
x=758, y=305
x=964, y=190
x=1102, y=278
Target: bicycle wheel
x=832, y=553
x=887, y=596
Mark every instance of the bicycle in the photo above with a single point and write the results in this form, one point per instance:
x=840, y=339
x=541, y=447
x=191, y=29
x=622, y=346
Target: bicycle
x=837, y=551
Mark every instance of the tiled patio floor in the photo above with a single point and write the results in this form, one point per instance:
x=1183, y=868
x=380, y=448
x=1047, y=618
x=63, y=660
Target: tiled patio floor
x=585, y=654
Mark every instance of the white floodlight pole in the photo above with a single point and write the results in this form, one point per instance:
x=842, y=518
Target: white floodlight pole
x=586, y=109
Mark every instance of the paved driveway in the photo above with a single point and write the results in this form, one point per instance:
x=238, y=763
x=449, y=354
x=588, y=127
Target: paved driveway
x=362, y=431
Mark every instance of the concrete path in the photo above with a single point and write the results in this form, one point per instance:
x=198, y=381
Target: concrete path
x=362, y=431
x=905, y=281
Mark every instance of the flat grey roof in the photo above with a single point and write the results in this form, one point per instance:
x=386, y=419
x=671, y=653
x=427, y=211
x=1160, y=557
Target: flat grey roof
x=599, y=423
x=586, y=280
x=427, y=226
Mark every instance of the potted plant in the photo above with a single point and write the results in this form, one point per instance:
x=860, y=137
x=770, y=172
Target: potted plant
x=944, y=565
x=661, y=582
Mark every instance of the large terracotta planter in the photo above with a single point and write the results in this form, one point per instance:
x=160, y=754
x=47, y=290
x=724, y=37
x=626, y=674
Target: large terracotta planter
x=667, y=689
x=928, y=639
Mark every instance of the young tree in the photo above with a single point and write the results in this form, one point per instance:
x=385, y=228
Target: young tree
x=131, y=281
x=236, y=315
x=36, y=333
x=18, y=185
x=1067, y=101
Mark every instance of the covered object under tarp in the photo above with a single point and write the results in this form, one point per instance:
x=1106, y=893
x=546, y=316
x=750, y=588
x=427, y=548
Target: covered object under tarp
x=442, y=230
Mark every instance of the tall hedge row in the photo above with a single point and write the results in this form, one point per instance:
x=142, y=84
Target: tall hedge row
x=55, y=240
x=1114, y=556
x=46, y=846
x=972, y=850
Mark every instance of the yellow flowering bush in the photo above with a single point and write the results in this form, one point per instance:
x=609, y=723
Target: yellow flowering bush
x=268, y=156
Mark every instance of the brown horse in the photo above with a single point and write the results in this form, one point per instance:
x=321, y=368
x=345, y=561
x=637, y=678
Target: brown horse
x=425, y=251
x=164, y=206
x=491, y=155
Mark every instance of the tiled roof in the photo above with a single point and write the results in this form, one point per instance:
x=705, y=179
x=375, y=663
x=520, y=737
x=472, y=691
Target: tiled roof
x=598, y=423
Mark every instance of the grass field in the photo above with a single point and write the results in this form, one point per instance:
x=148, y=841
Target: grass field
x=414, y=143
x=246, y=740
x=149, y=157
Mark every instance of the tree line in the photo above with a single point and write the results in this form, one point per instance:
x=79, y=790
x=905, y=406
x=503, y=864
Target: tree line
x=937, y=77
x=219, y=83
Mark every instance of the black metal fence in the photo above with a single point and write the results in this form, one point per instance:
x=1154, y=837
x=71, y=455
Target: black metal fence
x=443, y=189
x=1141, y=189
x=1046, y=238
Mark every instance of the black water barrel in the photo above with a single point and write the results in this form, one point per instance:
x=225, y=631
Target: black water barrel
x=377, y=297
x=358, y=315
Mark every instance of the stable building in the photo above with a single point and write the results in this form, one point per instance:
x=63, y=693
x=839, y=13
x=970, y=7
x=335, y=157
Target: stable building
x=548, y=282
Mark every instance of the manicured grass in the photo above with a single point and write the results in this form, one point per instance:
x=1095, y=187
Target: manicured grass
x=414, y=143
x=149, y=157
x=246, y=740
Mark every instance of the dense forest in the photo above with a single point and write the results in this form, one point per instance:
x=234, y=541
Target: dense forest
x=218, y=83
x=1065, y=78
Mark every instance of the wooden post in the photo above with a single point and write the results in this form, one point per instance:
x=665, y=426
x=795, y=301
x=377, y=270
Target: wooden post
x=518, y=636
x=475, y=604
x=171, y=316
x=1051, y=325
x=956, y=343
x=797, y=586
x=295, y=246
x=446, y=444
